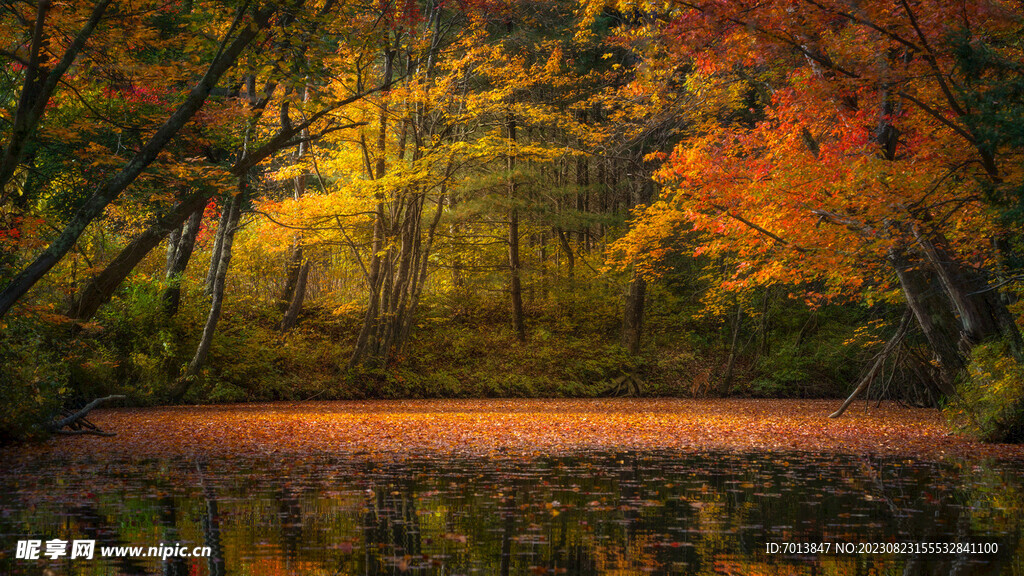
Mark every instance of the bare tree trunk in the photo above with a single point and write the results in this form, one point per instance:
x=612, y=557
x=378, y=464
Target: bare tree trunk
x=295, y=260
x=733, y=351
x=924, y=298
x=424, y=260
x=171, y=296
x=234, y=210
x=981, y=311
x=407, y=276
x=77, y=422
x=569, y=256
x=218, y=244
x=295, y=306
x=633, y=316
x=515, y=281
x=633, y=312
x=880, y=359
x=292, y=269
x=458, y=276
x=373, y=286
x=583, y=182
x=172, y=250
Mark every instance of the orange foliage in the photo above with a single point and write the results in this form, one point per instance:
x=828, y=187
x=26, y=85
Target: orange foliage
x=520, y=427
x=797, y=183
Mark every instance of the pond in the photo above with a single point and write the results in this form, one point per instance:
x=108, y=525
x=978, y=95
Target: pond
x=648, y=512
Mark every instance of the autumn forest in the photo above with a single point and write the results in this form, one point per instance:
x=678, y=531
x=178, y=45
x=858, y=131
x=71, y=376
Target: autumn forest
x=226, y=201
x=232, y=230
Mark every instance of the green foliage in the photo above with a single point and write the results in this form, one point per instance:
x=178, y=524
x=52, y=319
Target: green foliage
x=33, y=374
x=464, y=349
x=990, y=400
x=993, y=89
x=782, y=373
x=140, y=349
x=824, y=363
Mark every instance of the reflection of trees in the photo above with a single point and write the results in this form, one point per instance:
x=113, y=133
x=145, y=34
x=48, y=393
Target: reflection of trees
x=992, y=499
x=507, y=512
x=632, y=534
x=96, y=527
x=211, y=526
x=175, y=565
x=391, y=527
x=886, y=484
x=289, y=513
x=627, y=514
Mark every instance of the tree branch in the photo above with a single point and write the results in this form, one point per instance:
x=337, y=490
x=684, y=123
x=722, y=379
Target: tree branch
x=56, y=425
x=760, y=229
x=879, y=360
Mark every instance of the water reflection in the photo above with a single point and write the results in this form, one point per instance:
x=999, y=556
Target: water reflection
x=599, y=514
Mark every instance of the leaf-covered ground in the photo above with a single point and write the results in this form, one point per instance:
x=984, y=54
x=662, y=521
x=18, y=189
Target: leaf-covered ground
x=518, y=427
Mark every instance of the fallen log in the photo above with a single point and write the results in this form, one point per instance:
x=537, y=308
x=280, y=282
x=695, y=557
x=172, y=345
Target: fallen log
x=879, y=361
x=76, y=422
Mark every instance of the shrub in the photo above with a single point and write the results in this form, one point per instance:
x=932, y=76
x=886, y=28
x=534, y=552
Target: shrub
x=990, y=399
x=33, y=374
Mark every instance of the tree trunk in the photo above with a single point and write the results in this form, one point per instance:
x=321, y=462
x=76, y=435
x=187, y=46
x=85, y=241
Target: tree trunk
x=172, y=250
x=981, y=311
x=876, y=366
x=583, y=183
x=733, y=351
x=234, y=210
x=364, y=342
x=570, y=259
x=373, y=282
x=633, y=312
x=292, y=270
x=292, y=314
x=424, y=261
x=102, y=287
x=933, y=315
x=515, y=281
x=633, y=316
x=218, y=243
x=171, y=296
x=458, y=276
x=295, y=260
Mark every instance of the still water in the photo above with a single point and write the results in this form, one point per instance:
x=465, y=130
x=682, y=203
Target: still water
x=599, y=513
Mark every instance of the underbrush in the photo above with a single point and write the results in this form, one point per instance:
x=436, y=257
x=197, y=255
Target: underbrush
x=572, y=350
x=34, y=377
x=990, y=398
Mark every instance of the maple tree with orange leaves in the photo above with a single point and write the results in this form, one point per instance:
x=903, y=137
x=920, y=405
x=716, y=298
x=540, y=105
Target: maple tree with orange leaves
x=861, y=166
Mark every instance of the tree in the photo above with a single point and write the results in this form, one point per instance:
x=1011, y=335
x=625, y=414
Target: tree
x=41, y=76
x=859, y=168
x=101, y=287
x=250, y=153
x=247, y=25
